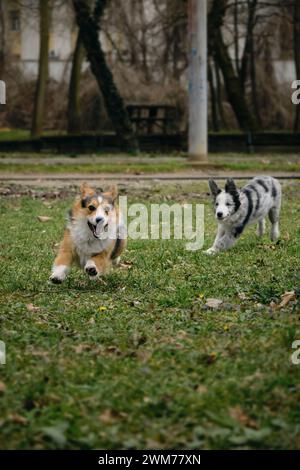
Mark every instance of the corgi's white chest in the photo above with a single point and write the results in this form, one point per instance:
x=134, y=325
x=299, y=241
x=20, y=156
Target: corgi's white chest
x=85, y=243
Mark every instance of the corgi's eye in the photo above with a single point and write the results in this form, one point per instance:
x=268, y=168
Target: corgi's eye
x=92, y=208
x=106, y=210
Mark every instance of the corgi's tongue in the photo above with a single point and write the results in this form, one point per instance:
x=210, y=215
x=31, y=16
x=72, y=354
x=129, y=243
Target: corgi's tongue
x=95, y=229
x=98, y=230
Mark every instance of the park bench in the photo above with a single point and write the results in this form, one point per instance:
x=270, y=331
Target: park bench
x=154, y=119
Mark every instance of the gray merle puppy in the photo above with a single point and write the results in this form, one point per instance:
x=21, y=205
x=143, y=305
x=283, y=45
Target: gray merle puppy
x=235, y=209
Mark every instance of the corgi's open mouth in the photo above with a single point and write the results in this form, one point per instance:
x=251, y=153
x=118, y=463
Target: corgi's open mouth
x=95, y=230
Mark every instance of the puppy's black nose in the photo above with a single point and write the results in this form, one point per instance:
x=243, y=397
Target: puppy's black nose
x=99, y=219
x=219, y=215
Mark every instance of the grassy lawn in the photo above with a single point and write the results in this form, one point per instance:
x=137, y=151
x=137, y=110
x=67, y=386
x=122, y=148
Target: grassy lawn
x=144, y=163
x=138, y=360
x=109, y=167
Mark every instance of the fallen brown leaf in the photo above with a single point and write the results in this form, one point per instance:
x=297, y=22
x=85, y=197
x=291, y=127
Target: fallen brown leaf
x=239, y=415
x=18, y=419
x=242, y=296
x=43, y=218
x=286, y=298
x=109, y=416
x=2, y=387
x=286, y=236
x=202, y=389
x=32, y=308
x=81, y=347
x=213, y=303
x=126, y=265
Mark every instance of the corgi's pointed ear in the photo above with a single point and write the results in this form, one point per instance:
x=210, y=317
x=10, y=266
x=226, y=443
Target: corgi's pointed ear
x=85, y=189
x=111, y=194
x=214, y=188
x=113, y=191
x=230, y=186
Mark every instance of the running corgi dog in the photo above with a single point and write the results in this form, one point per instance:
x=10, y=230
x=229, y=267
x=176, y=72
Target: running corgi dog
x=94, y=237
x=235, y=209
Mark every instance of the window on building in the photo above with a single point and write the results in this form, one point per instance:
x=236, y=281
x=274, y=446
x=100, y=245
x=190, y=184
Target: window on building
x=15, y=21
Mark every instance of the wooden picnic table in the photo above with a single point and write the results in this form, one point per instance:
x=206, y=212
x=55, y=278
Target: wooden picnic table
x=153, y=118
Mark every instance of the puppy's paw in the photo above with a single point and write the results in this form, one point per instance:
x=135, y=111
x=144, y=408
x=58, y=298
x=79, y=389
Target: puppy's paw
x=55, y=280
x=91, y=270
x=211, y=251
x=59, y=274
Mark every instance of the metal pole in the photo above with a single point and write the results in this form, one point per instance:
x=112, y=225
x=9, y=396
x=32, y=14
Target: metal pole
x=198, y=80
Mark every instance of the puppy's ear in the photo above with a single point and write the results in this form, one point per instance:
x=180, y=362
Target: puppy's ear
x=231, y=189
x=230, y=186
x=214, y=188
x=86, y=190
x=112, y=193
x=85, y=193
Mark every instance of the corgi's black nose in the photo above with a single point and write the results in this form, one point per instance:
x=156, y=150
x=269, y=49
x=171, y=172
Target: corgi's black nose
x=219, y=215
x=99, y=219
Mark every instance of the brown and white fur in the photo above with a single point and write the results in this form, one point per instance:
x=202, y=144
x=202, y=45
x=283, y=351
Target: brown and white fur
x=94, y=237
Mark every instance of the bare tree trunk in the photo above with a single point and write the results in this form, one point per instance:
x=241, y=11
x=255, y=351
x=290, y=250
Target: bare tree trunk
x=235, y=94
x=297, y=57
x=213, y=99
x=39, y=102
x=114, y=103
x=248, y=42
x=74, y=87
x=236, y=35
x=220, y=97
x=2, y=39
x=254, y=93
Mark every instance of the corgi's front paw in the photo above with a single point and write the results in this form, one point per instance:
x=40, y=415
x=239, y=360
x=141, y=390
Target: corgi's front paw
x=59, y=274
x=211, y=251
x=91, y=269
x=55, y=279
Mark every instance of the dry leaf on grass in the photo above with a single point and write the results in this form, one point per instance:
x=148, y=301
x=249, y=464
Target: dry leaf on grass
x=202, y=389
x=239, y=415
x=43, y=218
x=125, y=265
x=286, y=236
x=242, y=296
x=2, y=387
x=109, y=416
x=286, y=298
x=213, y=303
x=81, y=347
x=18, y=419
x=32, y=308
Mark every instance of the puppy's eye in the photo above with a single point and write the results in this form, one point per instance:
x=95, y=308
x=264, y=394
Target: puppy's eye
x=228, y=204
x=106, y=210
x=217, y=204
x=92, y=208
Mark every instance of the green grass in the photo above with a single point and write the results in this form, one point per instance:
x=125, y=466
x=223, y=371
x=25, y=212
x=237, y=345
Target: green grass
x=130, y=168
x=144, y=163
x=137, y=360
x=14, y=134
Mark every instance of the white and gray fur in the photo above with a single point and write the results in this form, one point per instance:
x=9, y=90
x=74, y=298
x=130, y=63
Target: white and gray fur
x=235, y=209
